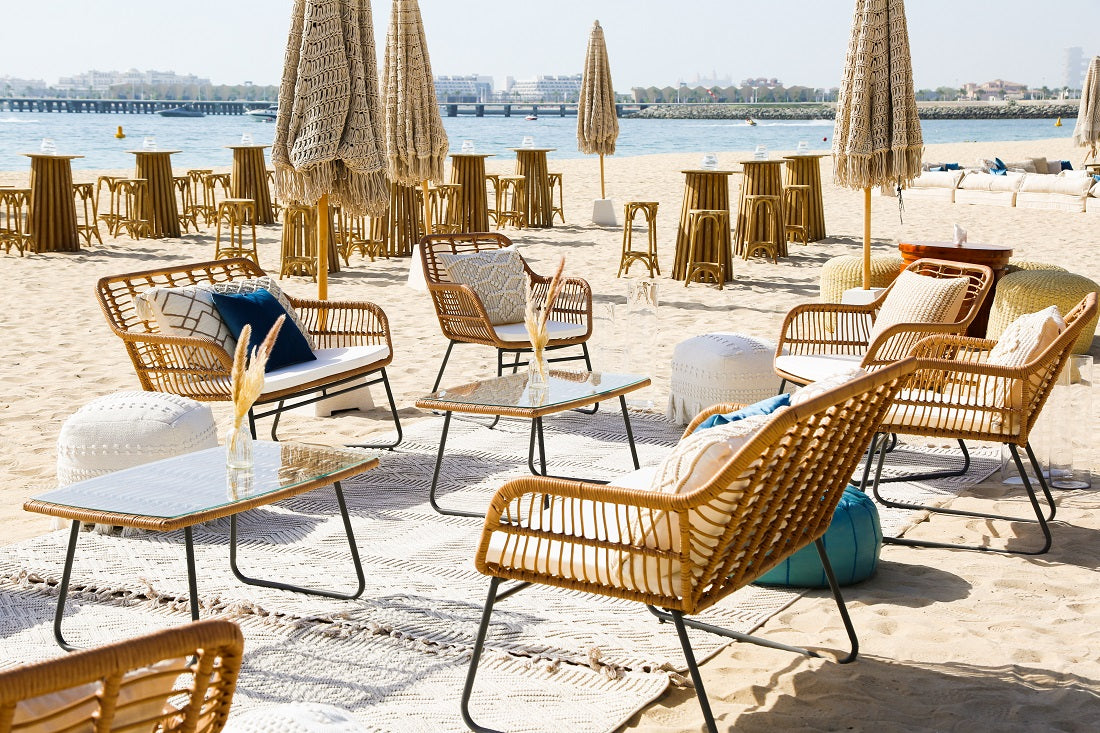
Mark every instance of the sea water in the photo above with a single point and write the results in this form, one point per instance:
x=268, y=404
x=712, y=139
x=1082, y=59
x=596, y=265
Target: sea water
x=201, y=141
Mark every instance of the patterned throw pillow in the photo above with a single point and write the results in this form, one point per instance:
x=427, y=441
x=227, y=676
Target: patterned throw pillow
x=496, y=277
x=1025, y=338
x=920, y=299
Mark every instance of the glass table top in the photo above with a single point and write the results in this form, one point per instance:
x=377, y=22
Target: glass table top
x=197, y=482
x=511, y=390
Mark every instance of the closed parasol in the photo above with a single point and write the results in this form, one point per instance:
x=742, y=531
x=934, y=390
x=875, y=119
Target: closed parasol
x=416, y=142
x=328, y=144
x=877, y=141
x=597, y=123
x=1086, y=133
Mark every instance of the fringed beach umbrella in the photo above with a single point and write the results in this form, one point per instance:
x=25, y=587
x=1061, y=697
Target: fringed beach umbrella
x=1086, y=133
x=877, y=141
x=597, y=124
x=328, y=142
x=415, y=139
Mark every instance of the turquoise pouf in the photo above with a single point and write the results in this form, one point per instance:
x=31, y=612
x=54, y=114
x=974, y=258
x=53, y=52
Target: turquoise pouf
x=852, y=542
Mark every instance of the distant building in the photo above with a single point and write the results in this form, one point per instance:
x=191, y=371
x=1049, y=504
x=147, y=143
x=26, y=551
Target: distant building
x=997, y=90
x=11, y=86
x=1076, y=65
x=767, y=83
x=543, y=89
x=101, y=81
x=712, y=81
x=470, y=88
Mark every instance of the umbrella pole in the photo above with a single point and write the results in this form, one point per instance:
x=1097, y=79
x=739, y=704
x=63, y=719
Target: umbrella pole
x=322, y=247
x=603, y=190
x=867, y=239
x=427, y=208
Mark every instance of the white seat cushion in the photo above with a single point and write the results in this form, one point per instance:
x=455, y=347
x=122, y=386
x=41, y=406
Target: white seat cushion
x=329, y=362
x=952, y=418
x=813, y=367
x=556, y=329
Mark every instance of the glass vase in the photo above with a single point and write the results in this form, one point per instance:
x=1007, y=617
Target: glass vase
x=238, y=461
x=538, y=374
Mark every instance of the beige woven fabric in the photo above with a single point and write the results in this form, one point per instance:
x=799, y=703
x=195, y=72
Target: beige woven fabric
x=416, y=142
x=597, y=124
x=1086, y=132
x=916, y=298
x=327, y=135
x=877, y=139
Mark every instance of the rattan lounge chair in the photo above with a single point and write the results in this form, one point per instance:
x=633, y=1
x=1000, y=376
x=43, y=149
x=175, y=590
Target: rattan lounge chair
x=463, y=317
x=948, y=397
x=352, y=337
x=117, y=687
x=776, y=495
x=821, y=338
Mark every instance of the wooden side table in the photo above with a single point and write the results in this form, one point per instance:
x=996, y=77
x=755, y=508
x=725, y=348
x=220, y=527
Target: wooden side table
x=52, y=215
x=805, y=170
x=539, y=206
x=248, y=180
x=468, y=170
x=762, y=177
x=155, y=166
x=704, y=190
x=995, y=256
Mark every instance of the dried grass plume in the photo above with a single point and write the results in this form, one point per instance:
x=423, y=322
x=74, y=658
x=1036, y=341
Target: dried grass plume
x=247, y=377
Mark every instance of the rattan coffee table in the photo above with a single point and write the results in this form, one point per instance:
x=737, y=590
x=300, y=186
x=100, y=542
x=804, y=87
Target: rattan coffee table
x=509, y=396
x=180, y=492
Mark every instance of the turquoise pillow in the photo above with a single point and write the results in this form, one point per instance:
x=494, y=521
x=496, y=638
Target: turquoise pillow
x=998, y=164
x=852, y=542
x=999, y=171
x=763, y=407
x=260, y=309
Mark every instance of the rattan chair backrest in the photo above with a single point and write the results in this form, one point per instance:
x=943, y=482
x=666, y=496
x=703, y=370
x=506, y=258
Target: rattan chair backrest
x=433, y=244
x=980, y=282
x=207, y=658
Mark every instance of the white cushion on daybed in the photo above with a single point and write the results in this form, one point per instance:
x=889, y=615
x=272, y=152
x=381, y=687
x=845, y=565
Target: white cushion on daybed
x=556, y=330
x=935, y=185
x=814, y=367
x=986, y=188
x=1060, y=193
x=328, y=363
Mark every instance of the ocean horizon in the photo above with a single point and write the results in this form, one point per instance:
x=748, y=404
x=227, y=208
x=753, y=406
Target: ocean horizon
x=201, y=141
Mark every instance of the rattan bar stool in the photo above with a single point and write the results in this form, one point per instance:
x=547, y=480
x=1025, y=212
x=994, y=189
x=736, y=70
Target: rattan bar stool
x=697, y=220
x=210, y=183
x=133, y=203
x=186, y=212
x=510, y=202
x=648, y=210
x=443, y=204
x=111, y=218
x=770, y=245
x=85, y=193
x=15, y=206
x=558, y=207
x=199, y=192
x=276, y=207
x=494, y=197
x=299, y=243
x=364, y=234
x=234, y=214
x=795, y=201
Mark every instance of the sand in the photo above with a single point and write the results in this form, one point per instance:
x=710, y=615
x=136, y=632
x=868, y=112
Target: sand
x=949, y=639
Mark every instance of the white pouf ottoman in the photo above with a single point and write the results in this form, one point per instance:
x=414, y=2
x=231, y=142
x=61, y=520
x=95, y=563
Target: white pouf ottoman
x=127, y=429
x=719, y=367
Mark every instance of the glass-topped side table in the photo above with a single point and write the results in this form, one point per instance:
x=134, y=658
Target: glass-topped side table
x=180, y=492
x=510, y=396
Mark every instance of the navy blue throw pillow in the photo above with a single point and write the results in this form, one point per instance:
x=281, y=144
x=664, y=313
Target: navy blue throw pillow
x=952, y=167
x=998, y=164
x=261, y=310
x=763, y=407
x=1066, y=165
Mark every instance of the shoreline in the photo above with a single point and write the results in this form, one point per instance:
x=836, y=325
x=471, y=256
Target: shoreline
x=827, y=111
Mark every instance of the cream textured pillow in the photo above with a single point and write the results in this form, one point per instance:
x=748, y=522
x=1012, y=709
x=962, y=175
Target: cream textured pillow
x=1023, y=340
x=496, y=277
x=821, y=386
x=920, y=299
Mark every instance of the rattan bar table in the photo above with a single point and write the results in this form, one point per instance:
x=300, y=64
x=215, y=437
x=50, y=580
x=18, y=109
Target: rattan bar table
x=248, y=180
x=704, y=189
x=531, y=164
x=762, y=177
x=509, y=396
x=468, y=170
x=805, y=170
x=52, y=215
x=155, y=166
x=180, y=492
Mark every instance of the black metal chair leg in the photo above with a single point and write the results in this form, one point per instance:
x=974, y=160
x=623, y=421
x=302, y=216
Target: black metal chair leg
x=782, y=386
x=835, y=588
x=63, y=589
x=393, y=414
x=356, y=562
x=439, y=375
x=252, y=422
x=629, y=433
x=931, y=475
x=1042, y=481
x=275, y=420
x=588, y=365
x=693, y=669
x=192, y=582
x=479, y=645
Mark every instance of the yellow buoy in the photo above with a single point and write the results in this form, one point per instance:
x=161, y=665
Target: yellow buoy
x=120, y=134
x=1058, y=123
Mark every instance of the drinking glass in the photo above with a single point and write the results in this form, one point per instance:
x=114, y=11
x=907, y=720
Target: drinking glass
x=710, y=162
x=803, y=147
x=246, y=138
x=467, y=146
x=761, y=153
x=149, y=143
x=1071, y=406
x=47, y=147
x=641, y=336
x=528, y=141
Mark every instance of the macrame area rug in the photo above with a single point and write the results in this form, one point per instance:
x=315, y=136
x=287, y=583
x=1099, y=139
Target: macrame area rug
x=397, y=656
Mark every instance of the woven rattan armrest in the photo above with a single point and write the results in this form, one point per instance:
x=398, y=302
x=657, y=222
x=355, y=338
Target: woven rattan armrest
x=898, y=341
x=344, y=322
x=824, y=328
x=945, y=346
x=574, y=301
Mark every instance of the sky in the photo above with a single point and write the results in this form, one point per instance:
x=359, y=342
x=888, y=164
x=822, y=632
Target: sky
x=650, y=43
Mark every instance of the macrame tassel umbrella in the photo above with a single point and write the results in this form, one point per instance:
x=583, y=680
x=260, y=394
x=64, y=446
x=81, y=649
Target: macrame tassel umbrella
x=1086, y=133
x=877, y=141
x=597, y=123
x=328, y=143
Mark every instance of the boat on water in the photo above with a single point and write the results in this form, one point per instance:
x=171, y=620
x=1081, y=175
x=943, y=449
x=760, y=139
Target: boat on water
x=185, y=110
x=750, y=121
x=264, y=114
x=531, y=117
